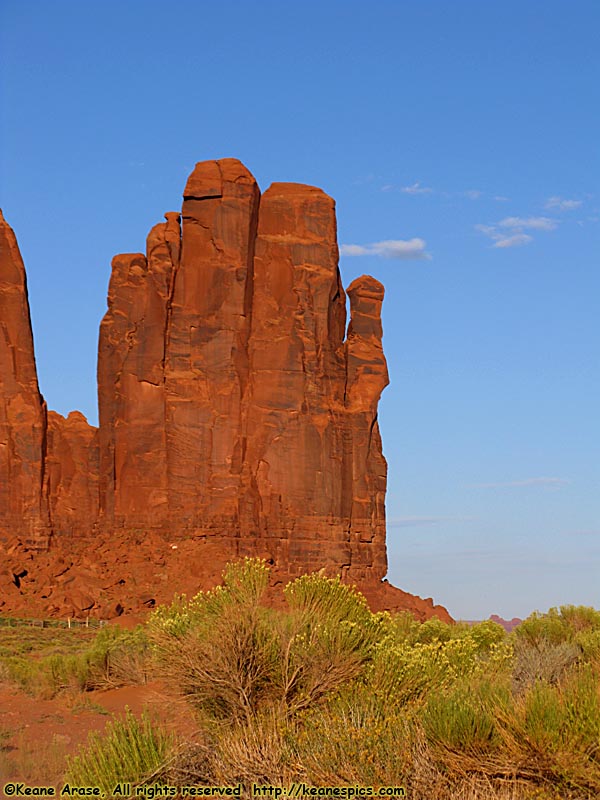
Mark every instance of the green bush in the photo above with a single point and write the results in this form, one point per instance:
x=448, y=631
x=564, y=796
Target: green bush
x=558, y=624
x=130, y=750
x=114, y=657
x=462, y=718
x=433, y=630
x=220, y=649
x=326, y=692
x=355, y=737
x=232, y=656
x=118, y=657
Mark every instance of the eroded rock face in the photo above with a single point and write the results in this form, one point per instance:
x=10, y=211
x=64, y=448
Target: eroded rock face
x=71, y=476
x=231, y=405
x=303, y=431
x=206, y=367
x=23, y=505
x=237, y=415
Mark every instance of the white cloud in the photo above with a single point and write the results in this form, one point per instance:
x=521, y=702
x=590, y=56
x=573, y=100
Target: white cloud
x=473, y=194
x=500, y=198
x=416, y=188
x=534, y=223
x=562, y=204
x=401, y=249
x=354, y=250
x=502, y=239
x=517, y=240
x=555, y=482
x=510, y=231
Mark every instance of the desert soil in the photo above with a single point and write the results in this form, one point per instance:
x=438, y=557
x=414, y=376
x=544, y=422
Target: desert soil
x=36, y=735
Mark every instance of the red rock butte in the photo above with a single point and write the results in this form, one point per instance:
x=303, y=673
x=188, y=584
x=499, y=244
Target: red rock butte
x=237, y=414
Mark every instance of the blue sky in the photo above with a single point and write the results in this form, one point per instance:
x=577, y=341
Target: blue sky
x=461, y=143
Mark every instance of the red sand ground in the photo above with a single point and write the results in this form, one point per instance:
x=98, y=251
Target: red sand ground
x=41, y=733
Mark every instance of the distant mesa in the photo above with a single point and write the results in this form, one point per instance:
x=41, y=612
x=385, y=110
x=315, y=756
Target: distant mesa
x=237, y=414
x=508, y=624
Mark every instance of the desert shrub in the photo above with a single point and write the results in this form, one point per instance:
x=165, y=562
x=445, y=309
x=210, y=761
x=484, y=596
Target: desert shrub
x=581, y=710
x=118, y=657
x=553, y=730
x=319, y=597
x=354, y=737
x=432, y=630
x=580, y=618
x=130, y=750
x=244, y=584
x=486, y=634
x=252, y=751
x=461, y=718
x=220, y=649
x=49, y=675
x=542, y=627
x=558, y=624
x=326, y=692
x=174, y=620
x=232, y=657
x=544, y=661
x=114, y=657
x=401, y=627
x=326, y=640
x=589, y=642
x=402, y=673
x=405, y=673
x=225, y=666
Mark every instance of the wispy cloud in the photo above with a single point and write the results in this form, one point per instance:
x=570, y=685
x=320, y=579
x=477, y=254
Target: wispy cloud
x=473, y=194
x=503, y=239
x=354, y=250
x=561, y=204
x=510, y=231
x=417, y=522
x=400, y=249
x=500, y=198
x=544, y=481
x=516, y=240
x=416, y=188
x=532, y=223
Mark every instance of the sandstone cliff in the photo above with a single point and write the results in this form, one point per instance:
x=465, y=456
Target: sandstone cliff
x=231, y=405
x=237, y=414
x=23, y=503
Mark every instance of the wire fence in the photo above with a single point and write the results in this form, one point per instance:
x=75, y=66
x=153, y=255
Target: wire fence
x=69, y=623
